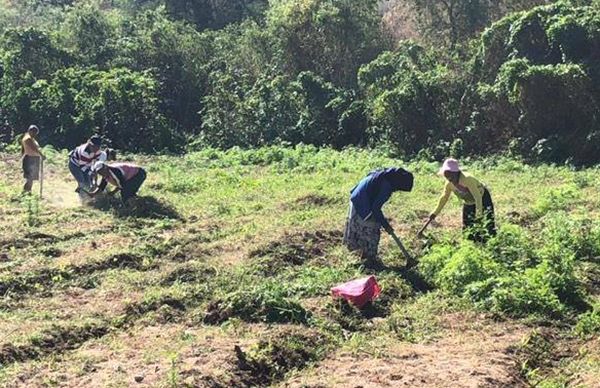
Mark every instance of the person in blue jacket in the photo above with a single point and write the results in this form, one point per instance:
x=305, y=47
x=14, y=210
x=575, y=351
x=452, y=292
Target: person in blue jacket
x=365, y=218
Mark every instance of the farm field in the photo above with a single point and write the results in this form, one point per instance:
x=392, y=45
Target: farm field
x=219, y=275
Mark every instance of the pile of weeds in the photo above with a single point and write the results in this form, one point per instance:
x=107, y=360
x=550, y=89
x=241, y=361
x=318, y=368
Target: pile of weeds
x=294, y=249
x=267, y=302
x=270, y=360
x=189, y=274
x=189, y=246
x=147, y=207
x=45, y=278
x=52, y=341
x=52, y=252
x=394, y=289
x=36, y=239
x=352, y=318
x=542, y=351
x=164, y=308
x=314, y=200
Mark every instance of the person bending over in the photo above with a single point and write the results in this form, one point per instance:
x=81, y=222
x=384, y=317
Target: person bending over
x=81, y=161
x=126, y=177
x=478, y=208
x=365, y=217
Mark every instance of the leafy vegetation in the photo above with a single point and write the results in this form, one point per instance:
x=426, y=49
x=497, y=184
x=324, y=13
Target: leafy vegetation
x=236, y=247
x=171, y=75
x=219, y=273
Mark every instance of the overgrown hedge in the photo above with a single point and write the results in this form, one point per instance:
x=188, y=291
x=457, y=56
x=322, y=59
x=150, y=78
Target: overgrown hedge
x=318, y=72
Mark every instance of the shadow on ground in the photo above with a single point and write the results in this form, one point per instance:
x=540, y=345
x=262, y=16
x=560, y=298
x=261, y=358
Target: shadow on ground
x=138, y=207
x=411, y=275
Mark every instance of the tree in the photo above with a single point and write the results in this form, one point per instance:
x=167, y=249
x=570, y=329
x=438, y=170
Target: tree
x=453, y=20
x=330, y=38
x=89, y=33
x=178, y=56
x=214, y=14
x=26, y=56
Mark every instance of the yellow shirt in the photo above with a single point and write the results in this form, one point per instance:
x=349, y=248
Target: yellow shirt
x=469, y=189
x=30, y=146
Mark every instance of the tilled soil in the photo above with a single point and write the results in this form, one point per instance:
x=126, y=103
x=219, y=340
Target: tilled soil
x=468, y=355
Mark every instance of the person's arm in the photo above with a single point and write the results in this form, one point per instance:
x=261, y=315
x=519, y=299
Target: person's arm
x=115, y=191
x=443, y=200
x=473, y=185
x=385, y=192
x=100, y=187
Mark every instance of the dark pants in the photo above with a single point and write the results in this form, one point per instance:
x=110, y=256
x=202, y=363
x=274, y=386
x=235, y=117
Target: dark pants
x=476, y=231
x=83, y=178
x=132, y=186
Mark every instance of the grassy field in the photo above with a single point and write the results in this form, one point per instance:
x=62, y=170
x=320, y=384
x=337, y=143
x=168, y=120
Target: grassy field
x=219, y=275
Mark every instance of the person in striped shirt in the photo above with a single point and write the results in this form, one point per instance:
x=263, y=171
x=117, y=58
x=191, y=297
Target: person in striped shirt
x=81, y=160
x=126, y=177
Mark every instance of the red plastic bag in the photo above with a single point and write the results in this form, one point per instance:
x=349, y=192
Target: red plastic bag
x=359, y=291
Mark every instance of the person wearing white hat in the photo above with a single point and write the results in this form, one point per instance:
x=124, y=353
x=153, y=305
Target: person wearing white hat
x=478, y=208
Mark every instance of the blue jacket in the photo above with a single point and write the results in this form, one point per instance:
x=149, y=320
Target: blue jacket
x=369, y=196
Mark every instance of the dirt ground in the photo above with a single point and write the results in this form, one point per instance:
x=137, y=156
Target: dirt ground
x=468, y=354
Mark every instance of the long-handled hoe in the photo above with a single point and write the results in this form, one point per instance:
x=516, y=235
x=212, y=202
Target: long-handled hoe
x=420, y=234
x=410, y=261
x=41, y=178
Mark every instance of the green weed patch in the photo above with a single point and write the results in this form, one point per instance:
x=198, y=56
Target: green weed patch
x=518, y=273
x=588, y=324
x=189, y=274
x=265, y=303
x=297, y=249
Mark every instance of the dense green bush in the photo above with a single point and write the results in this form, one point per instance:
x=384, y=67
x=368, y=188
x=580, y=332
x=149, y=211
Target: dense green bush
x=412, y=101
x=179, y=59
x=274, y=109
x=537, y=84
x=120, y=104
x=322, y=72
x=519, y=273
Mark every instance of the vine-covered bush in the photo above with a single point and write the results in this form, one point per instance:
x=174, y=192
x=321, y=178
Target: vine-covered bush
x=537, y=75
x=412, y=100
x=322, y=72
x=120, y=104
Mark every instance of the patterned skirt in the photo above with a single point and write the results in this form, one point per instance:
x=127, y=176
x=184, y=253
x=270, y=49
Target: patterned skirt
x=361, y=235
